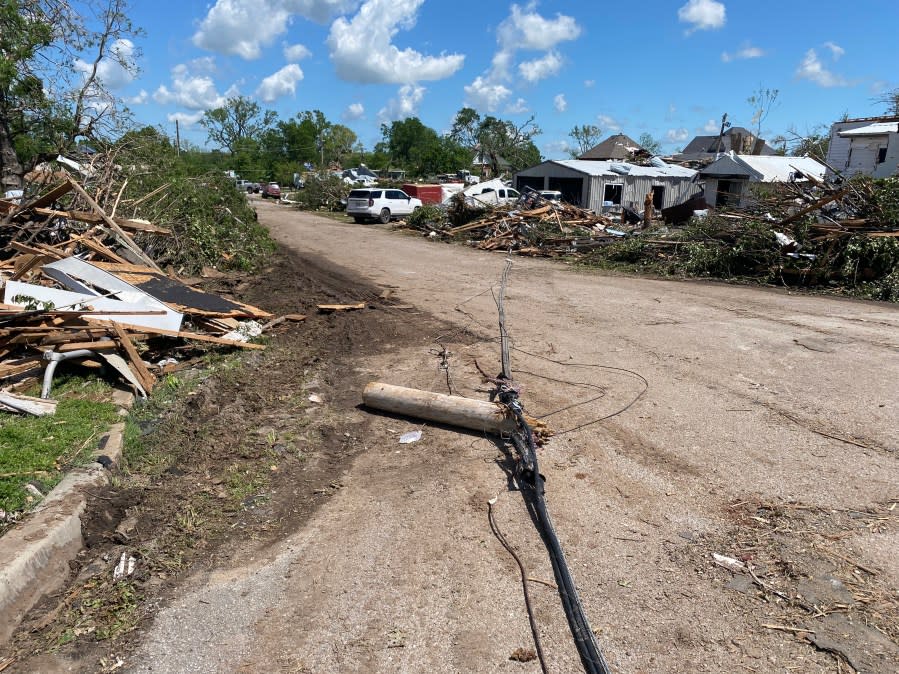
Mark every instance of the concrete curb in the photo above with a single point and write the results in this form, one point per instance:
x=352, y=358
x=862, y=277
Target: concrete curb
x=35, y=556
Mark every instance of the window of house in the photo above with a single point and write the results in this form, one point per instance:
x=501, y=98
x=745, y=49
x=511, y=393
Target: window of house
x=612, y=194
x=881, y=155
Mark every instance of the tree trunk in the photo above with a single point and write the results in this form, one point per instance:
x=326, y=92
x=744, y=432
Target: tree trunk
x=11, y=172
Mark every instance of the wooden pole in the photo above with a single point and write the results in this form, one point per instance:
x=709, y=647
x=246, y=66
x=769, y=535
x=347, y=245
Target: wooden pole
x=477, y=415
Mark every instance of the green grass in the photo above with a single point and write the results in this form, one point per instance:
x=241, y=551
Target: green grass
x=41, y=449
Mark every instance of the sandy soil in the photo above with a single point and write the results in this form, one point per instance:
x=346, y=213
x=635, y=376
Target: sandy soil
x=691, y=418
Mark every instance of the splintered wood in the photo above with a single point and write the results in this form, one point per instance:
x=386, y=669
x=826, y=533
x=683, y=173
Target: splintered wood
x=546, y=229
x=107, y=297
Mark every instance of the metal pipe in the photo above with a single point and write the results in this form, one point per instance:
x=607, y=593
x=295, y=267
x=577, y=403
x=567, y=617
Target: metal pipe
x=54, y=358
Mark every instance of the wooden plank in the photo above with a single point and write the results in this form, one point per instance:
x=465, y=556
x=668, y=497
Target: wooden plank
x=45, y=199
x=146, y=378
x=120, y=234
x=93, y=218
x=183, y=335
x=26, y=404
x=97, y=247
x=94, y=346
x=329, y=308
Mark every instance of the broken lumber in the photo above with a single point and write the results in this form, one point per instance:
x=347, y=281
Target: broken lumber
x=120, y=235
x=12, y=402
x=476, y=415
x=329, y=308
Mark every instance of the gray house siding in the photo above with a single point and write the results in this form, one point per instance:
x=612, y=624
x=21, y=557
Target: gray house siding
x=873, y=155
x=634, y=188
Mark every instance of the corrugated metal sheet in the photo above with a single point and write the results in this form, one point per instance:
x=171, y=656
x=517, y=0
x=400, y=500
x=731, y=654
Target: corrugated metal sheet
x=765, y=169
x=876, y=129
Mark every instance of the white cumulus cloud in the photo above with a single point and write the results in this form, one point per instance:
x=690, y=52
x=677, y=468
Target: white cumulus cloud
x=485, y=95
x=185, y=119
x=244, y=27
x=539, y=69
x=115, y=70
x=519, y=107
x=353, y=112
x=362, y=50
x=293, y=53
x=560, y=103
x=241, y=27
x=140, y=99
x=608, y=123
x=746, y=52
x=813, y=70
x=589, y=84
x=523, y=29
x=677, y=135
x=405, y=104
x=526, y=29
x=835, y=50
x=280, y=83
x=711, y=126
x=702, y=15
x=195, y=92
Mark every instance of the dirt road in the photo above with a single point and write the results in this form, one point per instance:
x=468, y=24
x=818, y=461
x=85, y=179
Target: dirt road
x=690, y=419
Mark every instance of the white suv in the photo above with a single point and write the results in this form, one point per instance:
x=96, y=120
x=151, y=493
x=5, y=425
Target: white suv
x=380, y=204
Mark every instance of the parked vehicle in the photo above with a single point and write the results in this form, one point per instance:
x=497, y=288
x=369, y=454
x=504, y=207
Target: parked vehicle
x=551, y=195
x=244, y=185
x=380, y=204
x=271, y=190
x=492, y=193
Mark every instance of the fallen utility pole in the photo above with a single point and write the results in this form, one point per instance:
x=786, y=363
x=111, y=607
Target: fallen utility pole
x=477, y=415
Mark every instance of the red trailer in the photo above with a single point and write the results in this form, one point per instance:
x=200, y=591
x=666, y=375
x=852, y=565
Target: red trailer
x=429, y=194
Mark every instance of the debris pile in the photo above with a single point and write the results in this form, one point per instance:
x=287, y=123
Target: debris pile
x=76, y=286
x=843, y=236
x=534, y=227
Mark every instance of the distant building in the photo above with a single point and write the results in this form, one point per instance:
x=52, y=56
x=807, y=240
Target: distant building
x=865, y=145
x=609, y=185
x=735, y=139
x=727, y=180
x=616, y=148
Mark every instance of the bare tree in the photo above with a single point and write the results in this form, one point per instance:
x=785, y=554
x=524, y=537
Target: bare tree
x=762, y=101
x=585, y=137
x=52, y=88
x=889, y=99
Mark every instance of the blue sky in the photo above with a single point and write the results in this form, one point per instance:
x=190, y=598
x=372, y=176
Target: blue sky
x=667, y=68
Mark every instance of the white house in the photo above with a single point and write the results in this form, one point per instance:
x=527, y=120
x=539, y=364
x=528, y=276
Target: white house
x=867, y=145
x=727, y=180
x=599, y=185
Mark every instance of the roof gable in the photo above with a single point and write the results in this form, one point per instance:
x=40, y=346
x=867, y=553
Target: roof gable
x=618, y=146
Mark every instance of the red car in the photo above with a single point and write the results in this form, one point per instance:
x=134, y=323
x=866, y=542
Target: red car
x=271, y=190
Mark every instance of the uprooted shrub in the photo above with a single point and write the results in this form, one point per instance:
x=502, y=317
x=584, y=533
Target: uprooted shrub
x=141, y=176
x=428, y=218
x=327, y=193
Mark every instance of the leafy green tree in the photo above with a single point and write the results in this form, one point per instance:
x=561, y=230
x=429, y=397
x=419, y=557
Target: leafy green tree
x=585, y=136
x=238, y=121
x=339, y=142
x=52, y=94
x=650, y=144
x=495, y=139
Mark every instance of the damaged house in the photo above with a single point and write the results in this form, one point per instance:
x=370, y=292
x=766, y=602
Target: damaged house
x=610, y=185
x=616, y=148
x=736, y=139
x=728, y=180
x=865, y=145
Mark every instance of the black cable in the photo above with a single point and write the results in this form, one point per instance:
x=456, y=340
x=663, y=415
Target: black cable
x=532, y=484
x=529, y=477
x=524, y=584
